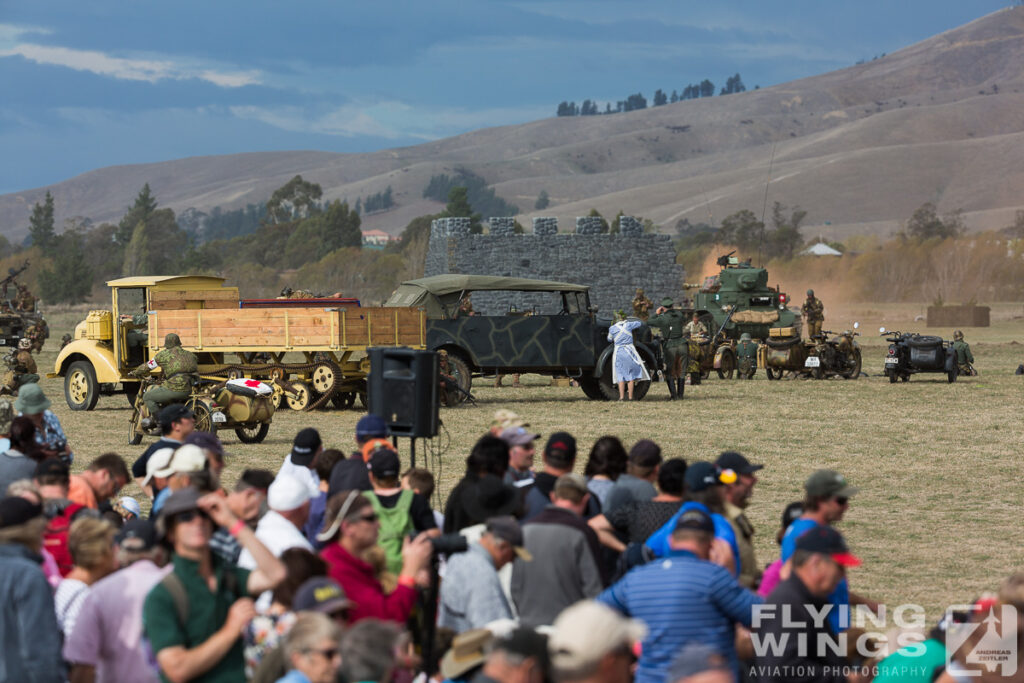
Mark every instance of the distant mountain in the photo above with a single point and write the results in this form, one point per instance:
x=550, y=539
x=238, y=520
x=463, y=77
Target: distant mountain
x=859, y=149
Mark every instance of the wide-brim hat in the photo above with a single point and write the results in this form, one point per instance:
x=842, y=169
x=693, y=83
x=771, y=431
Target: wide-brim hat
x=31, y=400
x=490, y=497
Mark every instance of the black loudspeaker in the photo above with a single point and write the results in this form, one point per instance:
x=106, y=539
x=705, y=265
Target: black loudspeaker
x=403, y=389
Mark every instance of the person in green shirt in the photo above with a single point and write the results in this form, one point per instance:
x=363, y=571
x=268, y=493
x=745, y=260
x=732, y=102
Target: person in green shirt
x=670, y=322
x=746, y=357
x=964, y=357
x=195, y=616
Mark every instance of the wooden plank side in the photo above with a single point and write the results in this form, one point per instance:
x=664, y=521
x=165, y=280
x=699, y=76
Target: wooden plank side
x=219, y=294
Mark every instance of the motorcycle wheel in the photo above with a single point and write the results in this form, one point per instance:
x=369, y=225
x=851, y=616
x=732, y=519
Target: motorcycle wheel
x=854, y=372
x=134, y=430
x=891, y=374
x=818, y=373
x=204, y=420
x=254, y=434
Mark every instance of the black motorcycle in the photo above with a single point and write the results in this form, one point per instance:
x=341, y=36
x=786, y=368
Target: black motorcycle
x=910, y=353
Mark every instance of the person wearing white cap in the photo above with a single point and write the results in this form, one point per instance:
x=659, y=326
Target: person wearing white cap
x=157, y=484
x=281, y=528
x=593, y=643
x=186, y=467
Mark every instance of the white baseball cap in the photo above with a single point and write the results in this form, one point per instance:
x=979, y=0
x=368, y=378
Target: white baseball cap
x=186, y=459
x=287, y=493
x=157, y=461
x=587, y=631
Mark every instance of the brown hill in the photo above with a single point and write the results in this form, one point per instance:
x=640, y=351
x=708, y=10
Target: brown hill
x=859, y=149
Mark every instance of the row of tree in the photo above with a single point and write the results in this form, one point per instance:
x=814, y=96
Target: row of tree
x=482, y=198
x=733, y=84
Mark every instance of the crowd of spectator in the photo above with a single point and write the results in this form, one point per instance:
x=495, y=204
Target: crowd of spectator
x=337, y=568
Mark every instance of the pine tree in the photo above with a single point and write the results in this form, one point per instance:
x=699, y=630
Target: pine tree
x=41, y=224
x=145, y=204
x=69, y=279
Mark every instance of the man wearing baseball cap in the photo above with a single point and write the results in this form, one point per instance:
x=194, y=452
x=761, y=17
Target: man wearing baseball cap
x=827, y=500
x=559, y=458
x=594, y=643
x=792, y=613
x=471, y=593
x=299, y=463
x=185, y=467
x=683, y=599
x=401, y=511
x=106, y=643
x=520, y=455
x=637, y=484
x=738, y=478
x=281, y=528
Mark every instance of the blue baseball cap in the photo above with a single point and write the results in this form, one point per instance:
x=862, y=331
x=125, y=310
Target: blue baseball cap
x=371, y=425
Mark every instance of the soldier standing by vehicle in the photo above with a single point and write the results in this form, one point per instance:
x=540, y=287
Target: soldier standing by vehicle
x=24, y=301
x=964, y=357
x=179, y=367
x=642, y=305
x=746, y=357
x=814, y=313
x=696, y=333
x=669, y=321
x=695, y=328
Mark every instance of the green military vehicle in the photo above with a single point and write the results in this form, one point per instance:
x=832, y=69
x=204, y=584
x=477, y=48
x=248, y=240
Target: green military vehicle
x=504, y=325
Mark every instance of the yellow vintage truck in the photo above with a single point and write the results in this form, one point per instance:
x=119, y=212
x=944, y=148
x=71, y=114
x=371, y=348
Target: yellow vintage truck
x=313, y=352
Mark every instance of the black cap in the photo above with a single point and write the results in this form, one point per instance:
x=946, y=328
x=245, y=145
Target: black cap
x=731, y=460
x=792, y=513
x=695, y=520
x=172, y=413
x=645, y=453
x=137, y=535
x=51, y=467
x=320, y=594
x=307, y=443
x=560, y=448
x=526, y=642
x=701, y=475
x=825, y=540
x=15, y=510
x=384, y=464
x=207, y=441
x=257, y=479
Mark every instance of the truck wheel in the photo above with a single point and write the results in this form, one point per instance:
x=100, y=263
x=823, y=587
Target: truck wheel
x=640, y=389
x=591, y=387
x=81, y=390
x=610, y=390
x=253, y=434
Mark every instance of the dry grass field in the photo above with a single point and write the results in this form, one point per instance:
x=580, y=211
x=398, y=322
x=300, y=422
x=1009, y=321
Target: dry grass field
x=939, y=466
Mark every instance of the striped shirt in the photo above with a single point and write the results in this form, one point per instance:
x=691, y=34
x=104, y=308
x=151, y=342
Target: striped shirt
x=683, y=600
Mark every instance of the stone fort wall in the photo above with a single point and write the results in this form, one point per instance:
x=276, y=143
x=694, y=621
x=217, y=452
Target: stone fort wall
x=613, y=266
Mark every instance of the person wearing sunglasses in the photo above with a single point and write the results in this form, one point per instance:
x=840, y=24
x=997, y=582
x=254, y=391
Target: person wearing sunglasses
x=351, y=529
x=195, y=616
x=312, y=649
x=826, y=501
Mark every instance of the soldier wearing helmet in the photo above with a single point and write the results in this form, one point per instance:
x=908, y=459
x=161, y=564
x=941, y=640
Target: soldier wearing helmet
x=179, y=369
x=746, y=357
x=25, y=370
x=814, y=314
x=964, y=357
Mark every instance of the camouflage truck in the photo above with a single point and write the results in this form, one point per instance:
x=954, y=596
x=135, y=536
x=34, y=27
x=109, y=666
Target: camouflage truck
x=503, y=325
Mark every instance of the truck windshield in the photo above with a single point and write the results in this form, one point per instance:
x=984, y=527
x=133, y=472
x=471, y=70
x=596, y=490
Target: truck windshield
x=131, y=301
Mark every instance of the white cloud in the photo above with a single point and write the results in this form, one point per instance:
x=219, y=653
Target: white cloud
x=150, y=70
x=390, y=120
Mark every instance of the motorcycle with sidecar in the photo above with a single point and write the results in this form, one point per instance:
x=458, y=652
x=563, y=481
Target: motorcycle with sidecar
x=910, y=353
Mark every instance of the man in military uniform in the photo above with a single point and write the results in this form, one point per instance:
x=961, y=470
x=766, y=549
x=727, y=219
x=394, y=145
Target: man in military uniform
x=695, y=328
x=746, y=357
x=696, y=333
x=642, y=305
x=37, y=333
x=669, y=321
x=466, y=306
x=24, y=301
x=964, y=357
x=814, y=314
x=23, y=370
x=138, y=332
x=179, y=369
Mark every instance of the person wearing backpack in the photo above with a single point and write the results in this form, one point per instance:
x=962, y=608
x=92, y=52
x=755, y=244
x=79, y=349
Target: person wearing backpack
x=401, y=512
x=51, y=479
x=195, y=616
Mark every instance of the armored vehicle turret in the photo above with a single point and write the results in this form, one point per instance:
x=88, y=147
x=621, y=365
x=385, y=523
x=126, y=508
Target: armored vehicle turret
x=742, y=290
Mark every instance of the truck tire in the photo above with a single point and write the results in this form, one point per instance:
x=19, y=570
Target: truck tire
x=81, y=390
x=591, y=387
x=610, y=390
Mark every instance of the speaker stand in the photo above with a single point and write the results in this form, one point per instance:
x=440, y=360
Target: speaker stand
x=412, y=449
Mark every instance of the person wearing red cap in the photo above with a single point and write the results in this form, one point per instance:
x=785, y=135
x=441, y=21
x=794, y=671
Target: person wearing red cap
x=792, y=615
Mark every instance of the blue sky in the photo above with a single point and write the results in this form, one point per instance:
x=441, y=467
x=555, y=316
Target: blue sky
x=98, y=83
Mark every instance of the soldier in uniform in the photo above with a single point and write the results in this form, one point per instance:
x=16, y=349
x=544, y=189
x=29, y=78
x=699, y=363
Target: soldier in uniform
x=964, y=357
x=466, y=306
x=138, y=334
x=179, y=368
x=641, y=305
x=23, y=370
x=695, y=332
x=37, y=333
x=24, y=301
x=814, y=314
x=746, y=357
x=669, y=321
x=65, y=340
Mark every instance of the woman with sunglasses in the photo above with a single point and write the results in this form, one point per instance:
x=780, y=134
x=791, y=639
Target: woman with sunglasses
x=351, y=530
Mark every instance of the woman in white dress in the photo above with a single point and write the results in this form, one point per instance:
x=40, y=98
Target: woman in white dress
x=627, y=366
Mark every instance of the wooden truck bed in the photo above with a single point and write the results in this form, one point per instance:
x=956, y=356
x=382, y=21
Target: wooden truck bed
x=288, y=329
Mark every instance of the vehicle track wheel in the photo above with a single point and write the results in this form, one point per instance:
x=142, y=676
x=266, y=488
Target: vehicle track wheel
x=301, y=396
x=81, y=390
x=277, y=374
x=324, y=378
x=254, y=433
x=234, y=373
x=277, y=396
x=344, y=400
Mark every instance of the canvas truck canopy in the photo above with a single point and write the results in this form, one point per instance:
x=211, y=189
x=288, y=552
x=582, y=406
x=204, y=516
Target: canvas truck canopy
x=438, y=292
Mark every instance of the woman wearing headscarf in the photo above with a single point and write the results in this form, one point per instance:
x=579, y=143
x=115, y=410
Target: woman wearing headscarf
x=627, y=366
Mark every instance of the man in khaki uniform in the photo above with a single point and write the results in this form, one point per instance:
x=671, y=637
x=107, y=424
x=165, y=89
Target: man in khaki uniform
x=814, y=313
x=737, y=497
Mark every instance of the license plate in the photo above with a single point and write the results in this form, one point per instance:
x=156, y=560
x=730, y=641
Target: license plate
x=892, y=361
x=3, y=342
x=219, y=417
x=812, y=362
